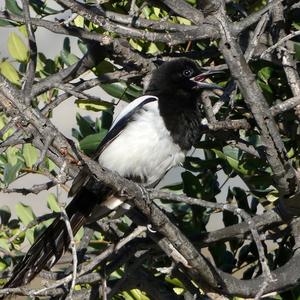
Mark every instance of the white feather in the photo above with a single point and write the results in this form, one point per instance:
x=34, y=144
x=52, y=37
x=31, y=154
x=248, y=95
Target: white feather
x=131, y=106
x=145, y=147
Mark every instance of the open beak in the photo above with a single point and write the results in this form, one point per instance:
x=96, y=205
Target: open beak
x=200, y=80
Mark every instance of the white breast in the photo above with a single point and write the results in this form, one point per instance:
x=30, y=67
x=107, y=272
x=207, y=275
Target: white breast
x=144, y=148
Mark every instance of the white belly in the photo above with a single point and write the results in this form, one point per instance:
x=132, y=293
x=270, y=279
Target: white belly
x=144, y=149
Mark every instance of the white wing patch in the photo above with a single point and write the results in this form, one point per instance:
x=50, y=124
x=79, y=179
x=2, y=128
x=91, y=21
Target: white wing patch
x=131, y=106
x=145, y=147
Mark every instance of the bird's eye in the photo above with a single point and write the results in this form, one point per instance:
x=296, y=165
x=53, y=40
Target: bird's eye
x=188, y=72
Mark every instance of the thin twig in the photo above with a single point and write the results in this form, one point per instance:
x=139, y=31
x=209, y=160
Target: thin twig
x=48, y=140
x=31, y=66
x=280, y=42
x=71, y=236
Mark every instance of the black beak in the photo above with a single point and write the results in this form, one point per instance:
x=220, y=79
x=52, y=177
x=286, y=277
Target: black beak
x=200, y=80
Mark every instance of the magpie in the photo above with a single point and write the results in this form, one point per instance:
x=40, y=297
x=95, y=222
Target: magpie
x=149, y=137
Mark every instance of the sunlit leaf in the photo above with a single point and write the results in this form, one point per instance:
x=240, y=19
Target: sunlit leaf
x=265, y=74
x=30, y=154
x=152, y=49
x=25, y=213
x=273, y=196
x=137, y=45
x=9, y=72
x=23, y=30
x=233, y=156
x=183, y=21
x=49, y=164
x=79, y=21
x=52, y=203
x=30, y=235
x=93, y=105
x=4, y=244
x=16, y=48
x=79, y=234
x=138, y=295
x=13, y=155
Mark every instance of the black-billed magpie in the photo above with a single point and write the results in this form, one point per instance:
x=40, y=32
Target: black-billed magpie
x=150, y=136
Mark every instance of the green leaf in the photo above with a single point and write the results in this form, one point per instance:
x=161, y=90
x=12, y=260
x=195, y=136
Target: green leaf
x=156, y=11
x=183, y=21
x=273, y=196
x=79, y=234
x=23, y=30
x=4, y=244
x=4, y=23
x=85, y=125
x=41, y=8
x=265, y=74
x=3, y=122
x=137, y=45
x=191, y=185
x=82, y=46
x=103, y=67
x=68, y=58
x=10, y=172
x=297, y=50
x=9, y=72
x=106, y=121
x=152, y=49
x=12, y=6
x=146, y=11
x=24, y=213
x=45, y=66
x=5, y=214
x=66, y=44
x=138, y=295
x=233, y=156
x=49, y=164
x=52, y=203
x=30, y=235
x=90, y=143
x=30, y=154
x=296, y=25
x=93, y=105
x=12, y=154
x=16, y=48
x=127, y=296
x=174, y=281
x=120, y=90
x=79, y=21
x=3, y=264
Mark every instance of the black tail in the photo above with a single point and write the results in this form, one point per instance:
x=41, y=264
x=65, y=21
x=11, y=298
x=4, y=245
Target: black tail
x=53, y=242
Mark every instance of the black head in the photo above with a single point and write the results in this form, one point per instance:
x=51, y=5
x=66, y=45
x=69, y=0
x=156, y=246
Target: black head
x=179, y=76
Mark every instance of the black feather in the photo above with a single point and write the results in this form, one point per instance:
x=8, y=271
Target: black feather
x=178, y=100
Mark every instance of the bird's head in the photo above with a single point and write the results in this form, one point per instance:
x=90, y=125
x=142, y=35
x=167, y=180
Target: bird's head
x=181, y=75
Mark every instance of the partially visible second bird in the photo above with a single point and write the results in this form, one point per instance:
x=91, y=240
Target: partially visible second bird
x=150, y=136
